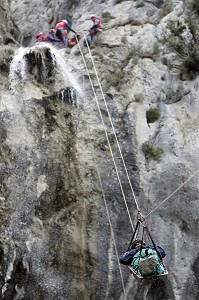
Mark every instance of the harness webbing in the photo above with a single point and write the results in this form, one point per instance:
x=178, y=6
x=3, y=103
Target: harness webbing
x=107, y=137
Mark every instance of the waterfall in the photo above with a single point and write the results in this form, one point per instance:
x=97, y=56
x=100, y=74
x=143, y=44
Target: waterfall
x=64, y=70
x=18, y=68
x=39, y=116
x=21, y=68
x=28, y=67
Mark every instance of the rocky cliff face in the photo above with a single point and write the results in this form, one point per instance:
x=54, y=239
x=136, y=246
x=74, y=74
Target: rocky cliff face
x=56, y=239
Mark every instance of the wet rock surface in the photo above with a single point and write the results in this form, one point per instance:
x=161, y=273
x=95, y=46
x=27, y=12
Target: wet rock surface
x=56, y=240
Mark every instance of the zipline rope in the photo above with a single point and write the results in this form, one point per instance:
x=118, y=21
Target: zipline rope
x=100, y=86
x=112, y=232
x=109, y=220
x=108, y=140
x=194, y=174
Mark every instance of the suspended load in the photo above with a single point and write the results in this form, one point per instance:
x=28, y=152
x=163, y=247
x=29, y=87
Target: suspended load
x=143, y=257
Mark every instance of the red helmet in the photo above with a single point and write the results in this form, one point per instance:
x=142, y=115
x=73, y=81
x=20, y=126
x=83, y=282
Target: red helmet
x=52, y=31
x=39, y=34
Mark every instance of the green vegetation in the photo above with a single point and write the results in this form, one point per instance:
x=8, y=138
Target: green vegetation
x=176, y=28
x=192, y=5
x=177, y=44
x=175, y=40
x=152, y=115
x=140, y=3
x=187, y=50
x=151, y=151
x=166, y=9
x=195, y=5
x=193, y=27
x=115, y=80
x=190, y=65
x=106, y=16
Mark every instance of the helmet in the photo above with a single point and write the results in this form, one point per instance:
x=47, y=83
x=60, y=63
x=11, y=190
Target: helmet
x=39, y=34
x=62, y=21
x=52, y=31
x=92, y=17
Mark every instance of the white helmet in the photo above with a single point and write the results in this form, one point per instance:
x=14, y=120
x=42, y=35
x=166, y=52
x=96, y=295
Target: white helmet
x=92, y=16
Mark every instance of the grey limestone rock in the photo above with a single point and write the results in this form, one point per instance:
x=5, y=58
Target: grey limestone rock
x=56, y=239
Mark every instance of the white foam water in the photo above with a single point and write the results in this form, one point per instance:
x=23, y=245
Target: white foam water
x=64, y=69
x=18, y=67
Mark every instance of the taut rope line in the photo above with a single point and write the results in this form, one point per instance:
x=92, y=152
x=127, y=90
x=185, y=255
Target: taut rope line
x=112, y=232
x=100, y=86
x=108, y=140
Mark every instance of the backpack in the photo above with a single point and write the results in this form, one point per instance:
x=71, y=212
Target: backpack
x=147, y=263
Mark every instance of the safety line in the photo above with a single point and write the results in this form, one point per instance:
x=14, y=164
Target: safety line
x=108, y=140
x=173, y=192
x=99, y=83
x=112, y=232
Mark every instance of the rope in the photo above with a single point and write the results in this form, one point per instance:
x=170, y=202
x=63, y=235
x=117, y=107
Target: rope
x=105, y=203
x=127, y=174
x=108, y=140
x=194, y=174
x=112, y=232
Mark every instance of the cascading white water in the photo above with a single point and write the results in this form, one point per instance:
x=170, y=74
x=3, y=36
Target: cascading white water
x=18, y=68
x=63, y=69
x=35, y=123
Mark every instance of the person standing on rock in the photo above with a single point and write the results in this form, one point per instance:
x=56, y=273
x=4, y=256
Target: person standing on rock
x=61, y=31
x=51, y=38
x=96, y=28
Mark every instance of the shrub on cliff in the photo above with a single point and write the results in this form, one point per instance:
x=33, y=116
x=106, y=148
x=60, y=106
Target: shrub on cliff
x=152, y=115
x=115, y=80
x=150, y=151
x=195, y=5
x=190, y=65
x=106, y=16
x=186, y=49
